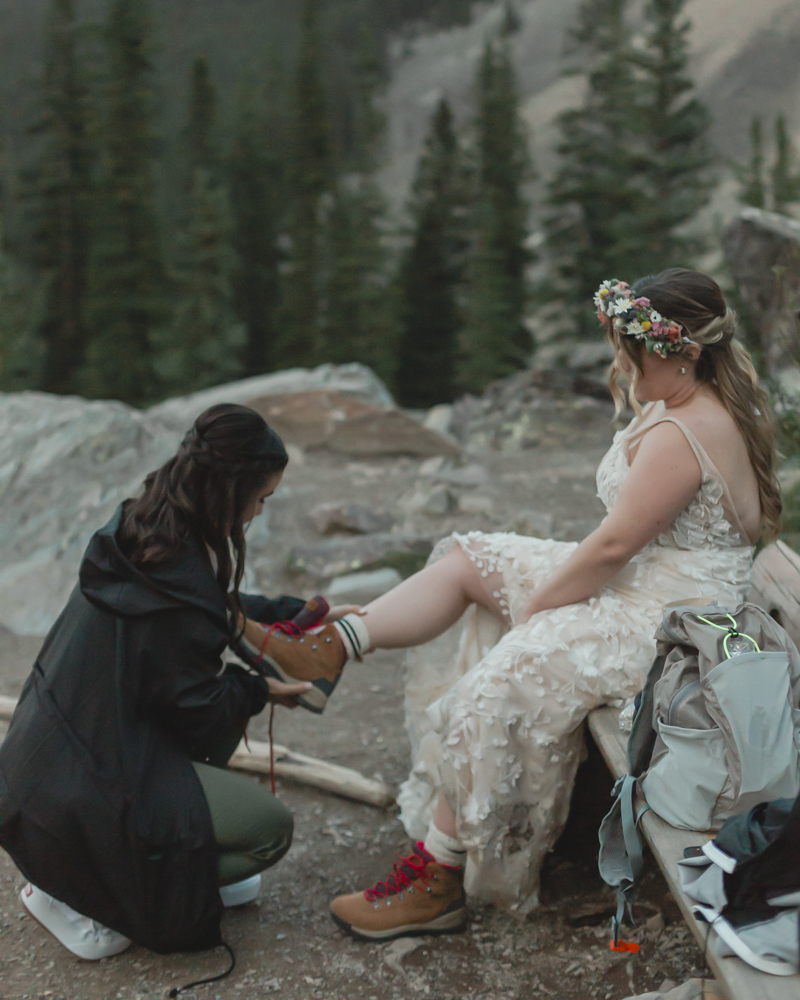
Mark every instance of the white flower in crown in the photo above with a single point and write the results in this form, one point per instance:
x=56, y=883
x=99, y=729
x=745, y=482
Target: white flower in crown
x=656, y=317
x=621, y=305
x=634, y=328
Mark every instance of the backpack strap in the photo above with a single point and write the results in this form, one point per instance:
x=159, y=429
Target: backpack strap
x=620, y=859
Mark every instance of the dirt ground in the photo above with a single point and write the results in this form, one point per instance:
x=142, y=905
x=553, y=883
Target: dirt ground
x=286, y=945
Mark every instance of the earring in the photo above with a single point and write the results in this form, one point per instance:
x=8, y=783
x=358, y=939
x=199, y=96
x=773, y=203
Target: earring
x=683, y=370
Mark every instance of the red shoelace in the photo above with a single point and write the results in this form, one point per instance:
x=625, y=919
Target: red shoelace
x=404, y=872
x=287, y=628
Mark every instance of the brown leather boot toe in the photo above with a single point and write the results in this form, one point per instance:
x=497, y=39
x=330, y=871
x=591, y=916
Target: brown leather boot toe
x=419, y=897
x=291, y=655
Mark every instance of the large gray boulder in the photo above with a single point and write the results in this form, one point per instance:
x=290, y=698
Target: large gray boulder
x=763, y=252
x=65, y=465
x=353, y=380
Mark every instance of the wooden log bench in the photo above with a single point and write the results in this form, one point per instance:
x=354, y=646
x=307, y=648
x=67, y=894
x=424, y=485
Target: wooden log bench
x=776, y=588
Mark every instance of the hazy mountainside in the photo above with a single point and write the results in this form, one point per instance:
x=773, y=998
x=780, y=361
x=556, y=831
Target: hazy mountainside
x=745, y=62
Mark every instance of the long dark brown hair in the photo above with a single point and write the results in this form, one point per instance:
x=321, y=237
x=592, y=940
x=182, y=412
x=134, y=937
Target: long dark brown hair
x=695, y=300
x=203, y=492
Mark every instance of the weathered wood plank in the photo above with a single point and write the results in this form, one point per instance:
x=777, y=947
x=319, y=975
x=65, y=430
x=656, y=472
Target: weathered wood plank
x=295, y=766
x=736, y=978
x=776, y=586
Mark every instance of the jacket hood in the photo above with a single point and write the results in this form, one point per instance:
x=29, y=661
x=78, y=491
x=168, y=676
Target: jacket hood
x=110, y=580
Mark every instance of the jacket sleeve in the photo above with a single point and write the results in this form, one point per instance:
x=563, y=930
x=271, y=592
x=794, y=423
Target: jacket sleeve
x=184, y=686
x=262, y=609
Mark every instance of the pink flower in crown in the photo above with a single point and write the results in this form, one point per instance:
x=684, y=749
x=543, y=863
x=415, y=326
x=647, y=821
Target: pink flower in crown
x=641, y=302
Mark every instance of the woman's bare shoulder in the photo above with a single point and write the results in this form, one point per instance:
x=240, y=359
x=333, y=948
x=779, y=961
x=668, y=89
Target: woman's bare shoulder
x=708, y=419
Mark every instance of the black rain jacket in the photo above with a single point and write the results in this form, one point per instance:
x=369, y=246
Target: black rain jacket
x=99, y=803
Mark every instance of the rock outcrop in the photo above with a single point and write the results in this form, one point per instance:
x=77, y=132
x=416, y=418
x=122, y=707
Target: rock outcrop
x=65, y=465
x=763, y=252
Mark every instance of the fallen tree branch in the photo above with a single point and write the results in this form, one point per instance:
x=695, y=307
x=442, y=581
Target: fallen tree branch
x=311, y=771
x=294, y=766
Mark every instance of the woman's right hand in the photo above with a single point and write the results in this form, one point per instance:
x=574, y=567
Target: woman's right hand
x=281, y=693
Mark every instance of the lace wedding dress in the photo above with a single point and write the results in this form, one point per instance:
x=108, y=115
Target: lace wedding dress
x=495, y=713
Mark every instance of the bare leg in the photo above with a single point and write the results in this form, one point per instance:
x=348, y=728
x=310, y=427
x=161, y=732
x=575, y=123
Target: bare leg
x=426, y=604
x=443, y=817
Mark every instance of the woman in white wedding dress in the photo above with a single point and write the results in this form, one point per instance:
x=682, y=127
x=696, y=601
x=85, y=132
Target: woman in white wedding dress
x=517, y=639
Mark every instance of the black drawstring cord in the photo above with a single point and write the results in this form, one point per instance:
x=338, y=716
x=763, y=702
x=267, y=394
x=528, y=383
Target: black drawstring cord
x=213, y=979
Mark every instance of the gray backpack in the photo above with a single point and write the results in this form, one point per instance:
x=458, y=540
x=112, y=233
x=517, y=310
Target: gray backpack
x=716, y=731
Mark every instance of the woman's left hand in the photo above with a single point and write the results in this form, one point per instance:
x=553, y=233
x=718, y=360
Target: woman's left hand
x=340, y=611
x=284, y=694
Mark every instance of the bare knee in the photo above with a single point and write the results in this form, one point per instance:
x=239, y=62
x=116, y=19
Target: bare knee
x=470, y=581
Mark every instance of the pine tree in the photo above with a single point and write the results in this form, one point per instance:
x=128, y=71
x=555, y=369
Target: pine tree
x=511, y=22
x=358, y=320
x=785, y=173
x=200, y=140
x=368, y=121
x=671, y=139
x=127, y=297
x=202, y=345
x=431, y=273
x=60, y=190
x=753, y=188
x=301, y=313
x=21, y=350
x=595, y=190
x=494, y=341
x=256, y=172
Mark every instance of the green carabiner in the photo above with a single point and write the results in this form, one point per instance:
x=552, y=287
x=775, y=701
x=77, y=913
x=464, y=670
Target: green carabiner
x=731, y=633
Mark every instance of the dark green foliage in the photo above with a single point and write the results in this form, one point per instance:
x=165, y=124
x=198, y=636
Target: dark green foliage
x=368, y=122
x=59, y=191
x=753, y=188
x=674, y=171
x=785, y=172
x=301, y=314
x=358, y=320
x=494, y=341
x=512, y=22
x=593, y=188
x=200, y=139
x=256, y=171
x=202, y=344
x=635, y=164
x=127, y=284
x=431, y=272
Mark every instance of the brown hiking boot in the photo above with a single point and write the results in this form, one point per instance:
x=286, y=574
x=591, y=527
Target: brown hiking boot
x=419, y=897
x=287, y=653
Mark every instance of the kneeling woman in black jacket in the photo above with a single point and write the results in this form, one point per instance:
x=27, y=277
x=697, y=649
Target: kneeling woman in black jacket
x=113, y=801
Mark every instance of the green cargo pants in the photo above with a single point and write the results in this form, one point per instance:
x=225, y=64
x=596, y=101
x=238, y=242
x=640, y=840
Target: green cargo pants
x=253, y=830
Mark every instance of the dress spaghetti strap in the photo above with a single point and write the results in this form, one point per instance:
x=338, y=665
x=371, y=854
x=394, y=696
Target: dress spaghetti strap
x=655, y=414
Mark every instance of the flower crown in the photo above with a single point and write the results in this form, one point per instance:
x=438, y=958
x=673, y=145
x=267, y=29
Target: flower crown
x=635, y=317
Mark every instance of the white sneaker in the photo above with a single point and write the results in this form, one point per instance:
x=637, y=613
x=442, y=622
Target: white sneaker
x=80, y=935
x=239, y=893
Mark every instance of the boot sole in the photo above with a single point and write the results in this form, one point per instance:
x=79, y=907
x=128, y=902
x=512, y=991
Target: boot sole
x=448, y=923
x=314, y=700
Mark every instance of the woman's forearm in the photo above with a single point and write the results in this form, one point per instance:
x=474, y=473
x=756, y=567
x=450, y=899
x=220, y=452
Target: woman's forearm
x=595, y=561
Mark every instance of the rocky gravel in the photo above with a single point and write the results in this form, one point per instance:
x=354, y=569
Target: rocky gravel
x=286, y=945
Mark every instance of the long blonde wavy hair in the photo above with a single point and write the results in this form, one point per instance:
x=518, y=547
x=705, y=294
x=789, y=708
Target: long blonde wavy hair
x=695, y=300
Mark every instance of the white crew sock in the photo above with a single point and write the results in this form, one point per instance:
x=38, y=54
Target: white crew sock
x=445, y=850
x=355, y=636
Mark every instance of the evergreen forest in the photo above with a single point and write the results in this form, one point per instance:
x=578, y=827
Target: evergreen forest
x=144, y=256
